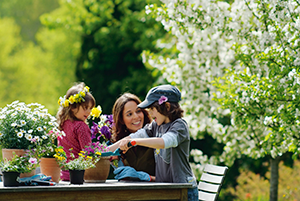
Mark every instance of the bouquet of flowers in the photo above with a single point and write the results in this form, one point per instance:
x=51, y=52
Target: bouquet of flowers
x=20, y=164
x=24, y=126
x=84, y=161
x=103, y=130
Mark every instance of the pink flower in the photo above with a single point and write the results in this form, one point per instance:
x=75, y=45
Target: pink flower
x=33, y=160
x=162, y=99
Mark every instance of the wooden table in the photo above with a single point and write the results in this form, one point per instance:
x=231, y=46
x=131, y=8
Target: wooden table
x=110, y=190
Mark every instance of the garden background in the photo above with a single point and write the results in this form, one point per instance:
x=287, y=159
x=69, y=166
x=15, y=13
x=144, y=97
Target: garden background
x=118, y=46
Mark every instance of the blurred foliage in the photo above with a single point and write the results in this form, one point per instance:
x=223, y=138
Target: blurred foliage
x=253, y=187
x=113, y=36
x=26, y=14
x=38, y=69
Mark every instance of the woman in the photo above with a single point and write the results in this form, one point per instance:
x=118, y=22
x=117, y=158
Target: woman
x=128, y=118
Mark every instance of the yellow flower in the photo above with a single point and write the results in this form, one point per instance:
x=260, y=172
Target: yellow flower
x=66, y=103
x=82, y=94
x=96, y=111
x=87, y=88
x=98, y=153
x=89, y=157
x=71, y=99
x=59, y=100
x=77, y=98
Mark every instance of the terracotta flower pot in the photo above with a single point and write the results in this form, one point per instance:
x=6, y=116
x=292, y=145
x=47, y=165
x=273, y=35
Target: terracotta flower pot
x=76, y=176
x=99, y=173
x=10, y=179
x=50, y=167
x=9, y=153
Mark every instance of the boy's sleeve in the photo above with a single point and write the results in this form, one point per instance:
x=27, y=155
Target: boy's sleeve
x=170, y=140
x=180, y=130
x=139, y=134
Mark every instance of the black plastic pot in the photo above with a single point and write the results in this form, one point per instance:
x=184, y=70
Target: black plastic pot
x=10, y=179
x=76, y=176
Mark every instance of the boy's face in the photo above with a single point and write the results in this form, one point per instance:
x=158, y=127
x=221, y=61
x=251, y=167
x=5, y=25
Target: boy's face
x=158, y=117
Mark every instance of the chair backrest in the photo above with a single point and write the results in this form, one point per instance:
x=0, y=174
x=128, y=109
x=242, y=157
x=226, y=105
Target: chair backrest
x=211, y=181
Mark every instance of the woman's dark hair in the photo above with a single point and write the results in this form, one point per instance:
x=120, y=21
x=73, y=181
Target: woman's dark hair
x=173, y=112
x=65, y=113
x=120, y=128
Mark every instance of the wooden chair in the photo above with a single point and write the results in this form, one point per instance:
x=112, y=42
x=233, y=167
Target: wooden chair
x=211, y=181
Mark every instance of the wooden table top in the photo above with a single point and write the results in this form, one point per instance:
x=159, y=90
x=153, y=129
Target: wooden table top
x=110, y=190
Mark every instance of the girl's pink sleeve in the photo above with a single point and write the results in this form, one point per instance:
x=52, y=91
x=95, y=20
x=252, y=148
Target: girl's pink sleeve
x=84, y=135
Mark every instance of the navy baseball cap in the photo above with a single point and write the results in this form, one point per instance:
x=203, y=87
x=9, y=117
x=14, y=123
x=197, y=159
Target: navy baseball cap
x=171, y=92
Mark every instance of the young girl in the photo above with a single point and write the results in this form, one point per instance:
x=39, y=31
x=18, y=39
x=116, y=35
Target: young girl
x=75, y=108
x=169, y=136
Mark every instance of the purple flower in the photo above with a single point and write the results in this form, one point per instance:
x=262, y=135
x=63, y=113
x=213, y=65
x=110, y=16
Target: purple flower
x=106, y=132
x=94, y=130
x=162, y=99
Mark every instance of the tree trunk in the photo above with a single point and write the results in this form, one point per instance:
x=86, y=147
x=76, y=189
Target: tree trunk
x=274, y=179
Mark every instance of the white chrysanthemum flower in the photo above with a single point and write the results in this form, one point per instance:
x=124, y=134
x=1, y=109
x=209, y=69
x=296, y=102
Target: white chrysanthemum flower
x=20, y=134
x=39, y=128
x=37, y=138
x=30, y=131
x=1, y=134
x=13, y=124
x=45, y=137
x=28, y=136
x=22, y=131
x=23, y=123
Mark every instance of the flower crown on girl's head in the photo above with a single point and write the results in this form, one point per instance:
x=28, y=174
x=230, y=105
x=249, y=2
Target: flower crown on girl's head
x=76, y=98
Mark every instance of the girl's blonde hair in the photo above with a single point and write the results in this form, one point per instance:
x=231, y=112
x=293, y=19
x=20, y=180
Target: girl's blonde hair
x=65, y=113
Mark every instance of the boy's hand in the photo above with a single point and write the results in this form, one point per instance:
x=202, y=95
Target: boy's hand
x=123, y=145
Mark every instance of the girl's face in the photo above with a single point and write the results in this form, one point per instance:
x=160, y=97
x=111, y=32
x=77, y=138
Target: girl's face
x=158, y=117
x=82, y=113
x=133, y=116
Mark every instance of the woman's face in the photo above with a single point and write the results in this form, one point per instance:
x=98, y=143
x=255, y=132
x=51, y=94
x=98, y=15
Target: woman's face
x=133, y=117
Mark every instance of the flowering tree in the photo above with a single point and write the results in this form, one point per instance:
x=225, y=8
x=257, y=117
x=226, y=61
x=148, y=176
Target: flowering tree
x=240, y=59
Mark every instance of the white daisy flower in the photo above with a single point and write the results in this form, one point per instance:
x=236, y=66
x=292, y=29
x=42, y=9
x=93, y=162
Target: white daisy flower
x=30, y=131
x=45, y=137
x=14, y=124
x=23, y=123
x=39, y=128
x=20, y=134
x=28, y=136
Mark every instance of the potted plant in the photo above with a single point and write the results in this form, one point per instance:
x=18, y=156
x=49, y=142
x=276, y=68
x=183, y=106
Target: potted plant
x=11, y=169
x=101, y=133
x=22, y=126
x=48, y=163
x=77, y=166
